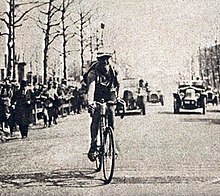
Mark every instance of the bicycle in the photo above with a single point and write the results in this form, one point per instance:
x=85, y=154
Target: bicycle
x=105, y=152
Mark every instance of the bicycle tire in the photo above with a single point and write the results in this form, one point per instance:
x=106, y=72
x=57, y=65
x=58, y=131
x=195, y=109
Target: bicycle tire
x=99, y=163
x=99, y=158
x=109, y=155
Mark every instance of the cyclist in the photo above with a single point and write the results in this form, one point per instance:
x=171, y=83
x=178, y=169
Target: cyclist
x=102, y=84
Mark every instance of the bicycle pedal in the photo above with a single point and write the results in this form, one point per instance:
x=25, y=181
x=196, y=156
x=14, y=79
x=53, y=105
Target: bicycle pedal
x=96, y=154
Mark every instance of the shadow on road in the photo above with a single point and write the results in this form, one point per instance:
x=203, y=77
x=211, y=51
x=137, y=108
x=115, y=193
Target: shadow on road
x=84, y=178
x=190, y=112
x=181, y=113
x=198, y=117
x=213, y=111
x=77, y=178
x=132, y=114
x=165, y=112
x=206, y=120
x=162, y=180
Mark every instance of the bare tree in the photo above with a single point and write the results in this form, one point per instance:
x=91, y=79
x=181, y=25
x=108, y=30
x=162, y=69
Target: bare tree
x=85, y=16
x=12, y=19
x=50, y=31
x=66, y=36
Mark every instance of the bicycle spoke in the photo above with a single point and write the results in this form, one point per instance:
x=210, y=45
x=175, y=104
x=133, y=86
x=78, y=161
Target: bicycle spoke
x=99, y=158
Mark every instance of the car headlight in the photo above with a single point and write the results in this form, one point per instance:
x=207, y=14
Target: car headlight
x=182, y=95
x=197, y=95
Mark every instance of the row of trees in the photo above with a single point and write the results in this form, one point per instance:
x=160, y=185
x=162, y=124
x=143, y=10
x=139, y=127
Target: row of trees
x=58, y=19
x=209, y=65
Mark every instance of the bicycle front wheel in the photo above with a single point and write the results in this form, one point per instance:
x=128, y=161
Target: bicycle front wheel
x=109, y=155
x=99, y=158
x=98, y=163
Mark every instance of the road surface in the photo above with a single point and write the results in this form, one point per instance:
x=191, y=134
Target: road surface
x=160, y=153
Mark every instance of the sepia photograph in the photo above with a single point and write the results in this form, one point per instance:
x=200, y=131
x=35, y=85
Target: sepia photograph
x=109, y=97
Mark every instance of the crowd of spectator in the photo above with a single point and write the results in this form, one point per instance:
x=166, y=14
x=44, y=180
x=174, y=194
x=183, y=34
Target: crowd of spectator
x=23, y=104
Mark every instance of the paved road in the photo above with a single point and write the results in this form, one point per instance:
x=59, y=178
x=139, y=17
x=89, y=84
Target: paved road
x=160, y=154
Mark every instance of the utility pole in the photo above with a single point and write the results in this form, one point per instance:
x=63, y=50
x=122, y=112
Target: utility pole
x=206, y=65
x=97, y=40
x=115, y=57
x=102, y=36
x=213, y=68
x=91, y=48
x=200, y=64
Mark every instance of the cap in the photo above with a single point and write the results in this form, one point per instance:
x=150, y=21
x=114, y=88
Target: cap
x=102, y=55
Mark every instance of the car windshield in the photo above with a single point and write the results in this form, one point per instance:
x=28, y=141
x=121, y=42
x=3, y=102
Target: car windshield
x=198, y=85
x=130, y=83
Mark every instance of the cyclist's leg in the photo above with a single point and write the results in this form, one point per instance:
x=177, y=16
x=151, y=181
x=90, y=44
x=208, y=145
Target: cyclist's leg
x=94, y=132
x=95, y=125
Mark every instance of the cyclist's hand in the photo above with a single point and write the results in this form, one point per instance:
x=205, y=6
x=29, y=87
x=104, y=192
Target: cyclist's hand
x=120, y=102
x=91, y=108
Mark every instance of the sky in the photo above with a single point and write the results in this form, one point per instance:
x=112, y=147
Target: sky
x=158, y=37
x=154, y=39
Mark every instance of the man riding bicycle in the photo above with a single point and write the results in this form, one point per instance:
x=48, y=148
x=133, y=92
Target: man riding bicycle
x=102, y=84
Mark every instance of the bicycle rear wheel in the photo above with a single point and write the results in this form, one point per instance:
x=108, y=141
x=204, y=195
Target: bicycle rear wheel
x=109, y=155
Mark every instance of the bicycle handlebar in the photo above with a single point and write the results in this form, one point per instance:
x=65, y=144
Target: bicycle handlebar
x=104, y=104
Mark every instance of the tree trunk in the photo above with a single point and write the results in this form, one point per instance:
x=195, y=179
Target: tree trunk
x=81, y=43
x=64, y=41
x=46, y=44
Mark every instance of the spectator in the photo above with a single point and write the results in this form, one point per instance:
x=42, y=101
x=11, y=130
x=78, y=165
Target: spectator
x=23, y=109
x=11, y=120
x=75, y=101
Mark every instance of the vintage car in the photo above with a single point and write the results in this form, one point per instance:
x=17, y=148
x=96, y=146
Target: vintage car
x=155, y=96
x=190, y=96
x=212, y=96
x=133, y=96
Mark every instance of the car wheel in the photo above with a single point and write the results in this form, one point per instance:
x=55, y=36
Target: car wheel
x=216, y=101
x=176, y=107
x=143, y=109
x=162, y=101
x=203, y=107
x=203, y=110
